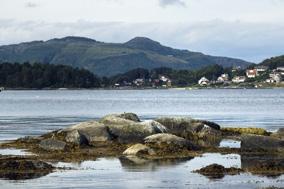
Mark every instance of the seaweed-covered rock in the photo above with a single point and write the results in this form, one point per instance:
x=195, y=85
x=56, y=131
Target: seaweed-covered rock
x=15, y=168
x=127, y=131
x=52, y=144
x=129, y=116
x=168, y=142
x=187, y=127
x=139, y=149
x=261, y=143
x=216, y=171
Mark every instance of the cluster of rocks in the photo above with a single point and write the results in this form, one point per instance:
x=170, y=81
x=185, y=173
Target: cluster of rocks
x=216, y=171
x=147, y=137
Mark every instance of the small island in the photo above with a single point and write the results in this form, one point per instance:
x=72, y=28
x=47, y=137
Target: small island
x=125, y=136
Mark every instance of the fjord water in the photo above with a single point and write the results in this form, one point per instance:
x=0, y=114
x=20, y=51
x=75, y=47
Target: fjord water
x=36, y=112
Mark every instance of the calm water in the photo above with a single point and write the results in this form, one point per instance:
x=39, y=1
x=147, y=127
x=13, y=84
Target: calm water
x=36, y=112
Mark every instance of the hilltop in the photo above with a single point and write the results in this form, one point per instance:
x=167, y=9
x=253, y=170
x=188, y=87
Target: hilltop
x=108, y=59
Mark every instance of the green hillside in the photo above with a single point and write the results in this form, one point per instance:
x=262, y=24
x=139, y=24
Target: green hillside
x=274, y=62
x=107, y=59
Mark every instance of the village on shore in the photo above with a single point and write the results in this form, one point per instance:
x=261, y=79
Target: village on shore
x=258, y=74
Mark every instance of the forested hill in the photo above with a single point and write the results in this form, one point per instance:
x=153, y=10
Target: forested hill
x=274, y=62
x=40, y=76
x=108, y=59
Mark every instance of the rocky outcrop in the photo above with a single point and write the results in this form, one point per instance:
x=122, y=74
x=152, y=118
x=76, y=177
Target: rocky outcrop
x=52, y=144
x=261, y=143
x=127, y=131
x=198, y=131
x=168, y=142
x=139, y=149
x=216, y=171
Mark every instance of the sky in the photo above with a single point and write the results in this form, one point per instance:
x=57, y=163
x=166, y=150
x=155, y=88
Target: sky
x=248, y=29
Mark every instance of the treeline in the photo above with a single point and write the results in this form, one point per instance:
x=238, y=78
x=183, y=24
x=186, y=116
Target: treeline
x=38, y=76
x=178, y=77
x=274, y=62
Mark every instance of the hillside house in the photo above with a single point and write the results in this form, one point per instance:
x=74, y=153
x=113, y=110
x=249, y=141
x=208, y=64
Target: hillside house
x=203, y=81
x=252, y=73
x=239, y=79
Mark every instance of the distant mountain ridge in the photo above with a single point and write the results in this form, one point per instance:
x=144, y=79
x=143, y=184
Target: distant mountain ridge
x=107, y=59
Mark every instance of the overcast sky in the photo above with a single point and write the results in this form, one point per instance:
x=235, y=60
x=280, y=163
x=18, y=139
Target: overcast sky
x=247, y=29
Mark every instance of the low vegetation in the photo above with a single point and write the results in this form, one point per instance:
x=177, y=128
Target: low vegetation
x=250, y=130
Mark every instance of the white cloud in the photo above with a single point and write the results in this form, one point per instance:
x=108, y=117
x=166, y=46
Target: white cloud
x=165, y=3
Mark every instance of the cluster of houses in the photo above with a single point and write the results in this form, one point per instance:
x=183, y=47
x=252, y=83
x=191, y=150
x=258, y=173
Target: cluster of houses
x=161, y=81
x=275, y=76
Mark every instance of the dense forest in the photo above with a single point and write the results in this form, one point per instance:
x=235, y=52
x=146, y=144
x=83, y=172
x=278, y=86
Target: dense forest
x=40, y=76
x=274, y=62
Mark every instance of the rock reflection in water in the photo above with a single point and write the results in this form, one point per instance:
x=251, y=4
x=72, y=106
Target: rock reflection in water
x=22, y=175
x=265, y=165
x=134, y=163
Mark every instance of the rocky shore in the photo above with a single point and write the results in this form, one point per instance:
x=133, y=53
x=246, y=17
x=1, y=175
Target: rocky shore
x=126, y=137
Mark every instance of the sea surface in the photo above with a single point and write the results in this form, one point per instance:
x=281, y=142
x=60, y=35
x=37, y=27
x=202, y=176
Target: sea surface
x=33, y=113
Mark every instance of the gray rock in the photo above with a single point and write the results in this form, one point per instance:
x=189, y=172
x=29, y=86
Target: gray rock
x=168, y=141
x=52, y=144
x=127, y=131
x=266, y=143
x=76, y=138
x=139, y=149
x=90, y=133
x=279, y=134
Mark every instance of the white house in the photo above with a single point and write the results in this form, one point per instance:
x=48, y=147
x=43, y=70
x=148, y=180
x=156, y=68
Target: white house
x=276, y=77
x=223, y=78
x=261, y=69
x=239, y=79
x=252, y=73
x=203, y=81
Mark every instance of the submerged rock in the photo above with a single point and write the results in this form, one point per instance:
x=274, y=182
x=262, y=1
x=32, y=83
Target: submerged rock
x=216, y=171
x=261, y=143
x=52, y=144
x=19, y=168
x=139, y=149
x=127, y=131
x=168, y=142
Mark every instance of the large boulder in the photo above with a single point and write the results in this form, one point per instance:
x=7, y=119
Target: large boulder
x=128, y=131
x=279, y=134
x=90, y=133
x=167, y=141
x=139, y=149
x=52, y=144
x=201, y=132
x=186, y=127
x=261, y=143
